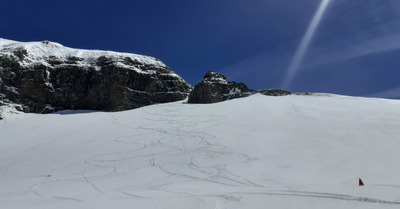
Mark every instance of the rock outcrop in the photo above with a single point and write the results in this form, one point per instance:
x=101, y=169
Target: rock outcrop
x=274, y=92
x=46, y=77
x=216, y=88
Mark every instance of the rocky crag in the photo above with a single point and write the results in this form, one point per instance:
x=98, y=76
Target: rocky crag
x=45, y=77
x=215, y=87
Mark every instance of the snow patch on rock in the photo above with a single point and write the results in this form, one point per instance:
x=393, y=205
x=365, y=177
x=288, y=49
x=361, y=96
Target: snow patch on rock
x=34, y=53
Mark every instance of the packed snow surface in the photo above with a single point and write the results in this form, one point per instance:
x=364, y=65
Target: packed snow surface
x=256, y=152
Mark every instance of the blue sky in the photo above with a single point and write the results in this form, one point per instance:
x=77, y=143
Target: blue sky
x=355, y=50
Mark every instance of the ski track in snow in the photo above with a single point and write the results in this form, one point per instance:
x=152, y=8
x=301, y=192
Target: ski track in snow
x=194, y=145
x=35, y=190
x=202, y=149
x=201, y=159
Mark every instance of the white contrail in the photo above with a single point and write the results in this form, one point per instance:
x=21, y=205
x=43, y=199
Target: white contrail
x=301, y=51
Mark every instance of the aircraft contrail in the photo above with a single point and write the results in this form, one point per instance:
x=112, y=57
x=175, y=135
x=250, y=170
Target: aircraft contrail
x=301, y=51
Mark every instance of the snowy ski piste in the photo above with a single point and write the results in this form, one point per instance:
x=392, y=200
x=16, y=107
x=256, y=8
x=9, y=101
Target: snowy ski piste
x=252, y=153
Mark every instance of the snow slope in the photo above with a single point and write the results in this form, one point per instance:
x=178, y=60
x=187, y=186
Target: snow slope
x=255, y=152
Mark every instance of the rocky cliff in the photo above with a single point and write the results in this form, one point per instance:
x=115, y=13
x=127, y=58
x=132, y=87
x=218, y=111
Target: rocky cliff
x=46, y=76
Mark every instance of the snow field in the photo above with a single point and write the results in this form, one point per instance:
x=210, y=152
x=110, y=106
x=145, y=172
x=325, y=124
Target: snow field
x=255, y=152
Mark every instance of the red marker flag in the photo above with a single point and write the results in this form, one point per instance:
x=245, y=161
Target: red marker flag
x=360, y=182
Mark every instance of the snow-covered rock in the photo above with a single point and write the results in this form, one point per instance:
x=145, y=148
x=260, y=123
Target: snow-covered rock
x=45, y=74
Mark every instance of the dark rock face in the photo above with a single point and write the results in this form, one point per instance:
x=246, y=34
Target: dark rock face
x=274, y=92
x=45, y=77
x=216, y=88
